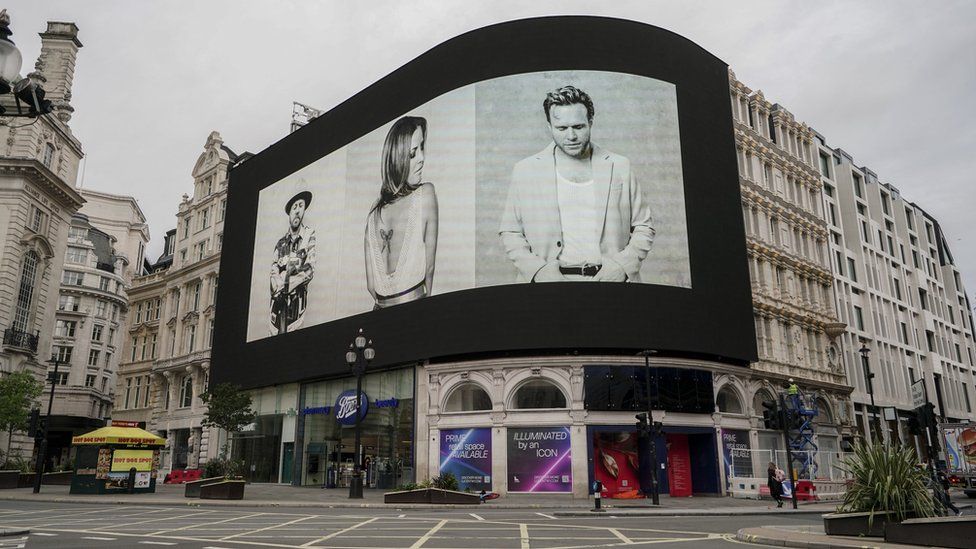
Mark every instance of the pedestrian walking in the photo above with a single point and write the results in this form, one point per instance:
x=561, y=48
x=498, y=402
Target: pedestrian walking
x=775, y=477
x=942, y=493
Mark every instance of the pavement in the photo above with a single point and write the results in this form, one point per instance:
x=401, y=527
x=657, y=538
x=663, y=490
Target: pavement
x=809, y=534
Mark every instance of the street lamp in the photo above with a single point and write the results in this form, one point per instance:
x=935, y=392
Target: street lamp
x=42, y=447
x=869, y=376
x=358, y=357
x=652, y=431
x=28, y=94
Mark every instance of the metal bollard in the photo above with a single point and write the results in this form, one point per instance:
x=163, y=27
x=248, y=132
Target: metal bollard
x=597, y=497
x=132, y=480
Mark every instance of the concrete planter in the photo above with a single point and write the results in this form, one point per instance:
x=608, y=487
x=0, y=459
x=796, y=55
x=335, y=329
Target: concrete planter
x=26, y=480
x=9, y=479
x=856, y=524
x=939, y=531
x=223, y=489
x=57, y=479
x=192, y=489
x=432, y=495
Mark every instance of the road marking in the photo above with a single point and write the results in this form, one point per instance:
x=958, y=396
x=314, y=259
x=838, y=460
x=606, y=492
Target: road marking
x=272, y=527
x=98, y=538
x=423, y=539
x=42, y=534
x=476, y=516
x=196, y=514
x=207, y=524
x=547, y=516
x=334, y=534
x=524, y=535
x=401, y=516
x=622, y=537
x=158, y=542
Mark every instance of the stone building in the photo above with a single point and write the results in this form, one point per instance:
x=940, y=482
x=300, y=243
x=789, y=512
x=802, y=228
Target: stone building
x=38, y=168
x=901, y=296
x=106, y=240
x=786, y=239
x=166, y=361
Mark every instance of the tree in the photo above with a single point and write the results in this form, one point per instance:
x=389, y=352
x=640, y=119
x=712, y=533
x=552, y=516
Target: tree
x=228, y=408
x=18, y=391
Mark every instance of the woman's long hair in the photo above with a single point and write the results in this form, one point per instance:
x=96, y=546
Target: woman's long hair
x=396, y=159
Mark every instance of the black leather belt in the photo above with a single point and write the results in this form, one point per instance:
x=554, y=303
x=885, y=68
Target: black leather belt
x=585, y=270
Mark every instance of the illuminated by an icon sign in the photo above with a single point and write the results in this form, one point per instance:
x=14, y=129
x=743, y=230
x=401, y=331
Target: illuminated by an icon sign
x=345, y=407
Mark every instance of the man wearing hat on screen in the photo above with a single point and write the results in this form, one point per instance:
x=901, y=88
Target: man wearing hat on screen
x=292, y=268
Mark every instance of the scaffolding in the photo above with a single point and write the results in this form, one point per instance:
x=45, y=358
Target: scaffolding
x=799, y=414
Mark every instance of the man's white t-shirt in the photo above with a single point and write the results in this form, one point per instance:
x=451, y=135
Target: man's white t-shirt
x=581, y=233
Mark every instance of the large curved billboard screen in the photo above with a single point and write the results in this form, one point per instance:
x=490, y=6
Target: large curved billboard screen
x=508, y=192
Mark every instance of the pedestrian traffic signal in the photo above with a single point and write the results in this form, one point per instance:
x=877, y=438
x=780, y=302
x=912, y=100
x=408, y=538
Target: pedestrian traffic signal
x=771, y=417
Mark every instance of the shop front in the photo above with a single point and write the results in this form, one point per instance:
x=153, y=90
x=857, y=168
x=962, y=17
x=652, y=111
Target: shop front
x=326, y=430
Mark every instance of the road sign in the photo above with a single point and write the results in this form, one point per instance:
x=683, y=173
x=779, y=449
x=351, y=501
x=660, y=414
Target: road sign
x=918, y=393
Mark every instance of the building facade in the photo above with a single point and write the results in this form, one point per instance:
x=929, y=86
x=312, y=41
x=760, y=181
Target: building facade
x=91, y=313
x=901, y=297
x=166, y=361
x=38, y=170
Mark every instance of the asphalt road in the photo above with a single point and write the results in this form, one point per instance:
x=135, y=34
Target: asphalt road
x=62, y=526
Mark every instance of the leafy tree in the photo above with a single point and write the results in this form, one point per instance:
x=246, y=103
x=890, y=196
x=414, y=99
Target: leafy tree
x=18, y=391
x=228, y=408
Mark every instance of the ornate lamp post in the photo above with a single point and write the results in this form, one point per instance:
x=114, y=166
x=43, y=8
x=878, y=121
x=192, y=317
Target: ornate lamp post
x=869, y=376
x=358, y=357
x=42, y=447
x=28, y=95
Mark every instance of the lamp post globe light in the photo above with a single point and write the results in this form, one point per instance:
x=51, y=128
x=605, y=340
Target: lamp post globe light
x=28, y=95
x=358, y=357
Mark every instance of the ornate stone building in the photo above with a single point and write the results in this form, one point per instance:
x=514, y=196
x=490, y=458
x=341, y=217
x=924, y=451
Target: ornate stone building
x=38, y=168
x=786, y=239
x=166, y=363
x=106, y=240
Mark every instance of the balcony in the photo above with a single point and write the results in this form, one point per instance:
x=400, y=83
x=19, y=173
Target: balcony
x=12, y=337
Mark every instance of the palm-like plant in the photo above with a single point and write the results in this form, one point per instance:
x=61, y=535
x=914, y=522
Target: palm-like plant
x=886, y=479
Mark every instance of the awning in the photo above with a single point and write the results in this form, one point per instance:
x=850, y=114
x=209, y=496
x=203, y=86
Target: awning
x=119, y=435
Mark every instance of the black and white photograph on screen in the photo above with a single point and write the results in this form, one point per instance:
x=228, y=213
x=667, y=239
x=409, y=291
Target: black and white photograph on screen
x=292, y=267
x=537, y=177
x=401, y=228
x=574, y=210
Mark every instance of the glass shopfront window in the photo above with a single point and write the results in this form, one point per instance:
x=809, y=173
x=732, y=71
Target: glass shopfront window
x=387, y=431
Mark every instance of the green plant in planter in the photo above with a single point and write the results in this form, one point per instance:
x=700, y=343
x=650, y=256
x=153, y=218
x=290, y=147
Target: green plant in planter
x=886, y=479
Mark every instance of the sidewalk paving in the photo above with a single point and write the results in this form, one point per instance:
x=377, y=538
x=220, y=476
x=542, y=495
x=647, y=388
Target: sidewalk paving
x=286, y=496
x=812, y=537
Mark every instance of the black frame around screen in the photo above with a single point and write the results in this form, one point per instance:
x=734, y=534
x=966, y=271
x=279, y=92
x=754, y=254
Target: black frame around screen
x=711, y=319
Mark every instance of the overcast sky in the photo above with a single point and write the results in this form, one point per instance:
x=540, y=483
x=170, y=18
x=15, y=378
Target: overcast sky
x=892, y=83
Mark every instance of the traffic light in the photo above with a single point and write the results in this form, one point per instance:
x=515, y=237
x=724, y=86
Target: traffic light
x=926, y=415
x=642, y=423
x=771, y=417
x=913, y=426
x=33, y=423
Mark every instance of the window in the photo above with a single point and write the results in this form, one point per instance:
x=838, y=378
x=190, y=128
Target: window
x=145, y=398
x=104, y=384
x=220, y=242
x=76, y=255
x=538, y=394
x=128, y=392
x=93, y=357
x=48, y=155
x=101, y=307
x=139, y=313
x=897, y=288
x=210, y=331
x=77, y=233
x=190, y=338
x=825, y=165
x=204, y=218
x=904, y=333
x=152, y=346
x=115, y=312
x=135, y=401
x=73, y=278
x=135, y=347
x=108, y=360
x=885, y=206
x=833, y=214
x=62, y=353
x=186, y=391
x=851, y=270
x=103, y=283
x=90, y=380
x=213, y=290
x=195, y=297
x=200, y=250
x=468, y=397
x=728, y=402
x=65, y=328
x=61, y=378
x=859, y=318
x=38, y=220
x=186, y=226
x=222, y=210
x=68, y=303
x=25, y=295
x=97, y=332
x=923, y=298
x=858, y=188
x=111, y=336
x=183, y=256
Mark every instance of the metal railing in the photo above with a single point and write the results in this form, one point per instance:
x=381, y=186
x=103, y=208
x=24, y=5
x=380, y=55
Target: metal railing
x=752, y=463
x=24, y=340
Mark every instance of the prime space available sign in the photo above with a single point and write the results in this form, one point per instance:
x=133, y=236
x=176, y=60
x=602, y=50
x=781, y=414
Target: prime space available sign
x=466, y=453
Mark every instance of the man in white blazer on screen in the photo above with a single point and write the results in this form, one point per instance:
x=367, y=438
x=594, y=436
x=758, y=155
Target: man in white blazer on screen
x=574, y=210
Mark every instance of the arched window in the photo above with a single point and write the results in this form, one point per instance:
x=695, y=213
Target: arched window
x=825, y=415
x=728, y=402
x=538, y=394
x=468, y=397
x=25, y=295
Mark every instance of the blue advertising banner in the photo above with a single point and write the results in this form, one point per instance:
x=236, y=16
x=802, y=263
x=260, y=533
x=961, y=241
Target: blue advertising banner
x=466, y=453
x=539, y=460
